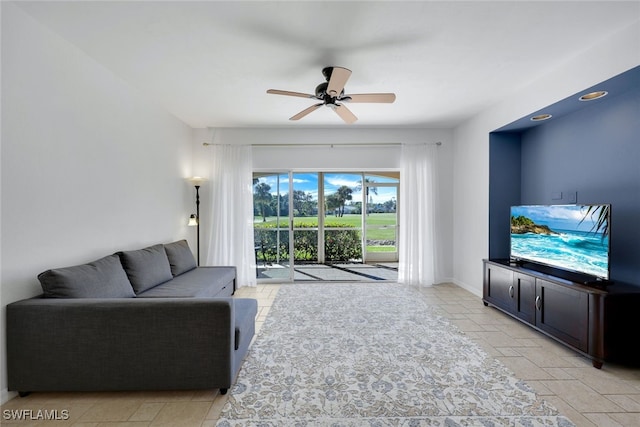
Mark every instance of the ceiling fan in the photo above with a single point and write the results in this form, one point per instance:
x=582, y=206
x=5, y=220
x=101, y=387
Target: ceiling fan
x=331, y=93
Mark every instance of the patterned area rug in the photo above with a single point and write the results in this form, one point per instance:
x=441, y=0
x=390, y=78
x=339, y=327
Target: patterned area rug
x=373, y=354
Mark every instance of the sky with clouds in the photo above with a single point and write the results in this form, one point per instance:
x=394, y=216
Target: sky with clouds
x=308, y=182
x=563, y=217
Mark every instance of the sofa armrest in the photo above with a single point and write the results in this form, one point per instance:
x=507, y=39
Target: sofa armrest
x=120, y=344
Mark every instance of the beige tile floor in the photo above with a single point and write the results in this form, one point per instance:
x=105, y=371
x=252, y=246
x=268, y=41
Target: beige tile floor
x=588, y=396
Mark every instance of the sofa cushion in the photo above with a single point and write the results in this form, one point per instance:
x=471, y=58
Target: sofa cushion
x=103, y=278
x=146, y=267
x=201, y=282
x=180, y=257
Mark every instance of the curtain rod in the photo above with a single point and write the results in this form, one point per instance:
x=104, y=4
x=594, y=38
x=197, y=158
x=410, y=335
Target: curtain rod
x=372, y=144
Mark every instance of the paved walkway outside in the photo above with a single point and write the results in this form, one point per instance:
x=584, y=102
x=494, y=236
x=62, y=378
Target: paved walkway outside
x=332, y=272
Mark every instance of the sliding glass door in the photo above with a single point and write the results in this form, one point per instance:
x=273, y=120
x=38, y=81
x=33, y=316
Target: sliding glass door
x=271, y=226
x=306, y=219
x=285, y=223
x=342, y=218
x=381, y=218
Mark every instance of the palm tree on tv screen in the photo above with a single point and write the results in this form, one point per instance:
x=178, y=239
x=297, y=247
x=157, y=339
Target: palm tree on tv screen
x=601, y=221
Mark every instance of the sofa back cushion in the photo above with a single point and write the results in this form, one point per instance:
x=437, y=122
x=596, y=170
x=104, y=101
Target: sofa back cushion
x=146, y=267
x=180, y=257
x=103, y=278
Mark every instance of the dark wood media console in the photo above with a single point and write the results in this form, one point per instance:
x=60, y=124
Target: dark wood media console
x=600, y=322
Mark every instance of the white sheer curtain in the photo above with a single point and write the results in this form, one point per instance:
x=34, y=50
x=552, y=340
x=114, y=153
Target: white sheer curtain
x=419, y=237
x=230, y=240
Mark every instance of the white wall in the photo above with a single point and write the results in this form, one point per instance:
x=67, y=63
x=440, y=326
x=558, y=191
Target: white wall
x=88, y=166
x=595, y=64
x=310, y=154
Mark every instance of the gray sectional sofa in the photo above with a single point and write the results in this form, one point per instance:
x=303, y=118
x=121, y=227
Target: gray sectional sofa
x=146, y=319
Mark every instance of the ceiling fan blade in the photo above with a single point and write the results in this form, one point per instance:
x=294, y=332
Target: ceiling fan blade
x=344, y=113
x=371, y=97
x=289, y=93
x=339, y=77
x=306, y=111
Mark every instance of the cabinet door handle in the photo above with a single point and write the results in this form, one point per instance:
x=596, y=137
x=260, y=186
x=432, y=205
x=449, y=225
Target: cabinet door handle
x=511, y=291
x=538, y=302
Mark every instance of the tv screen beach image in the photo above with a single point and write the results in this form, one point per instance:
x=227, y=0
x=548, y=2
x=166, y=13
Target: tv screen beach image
x=571, y=237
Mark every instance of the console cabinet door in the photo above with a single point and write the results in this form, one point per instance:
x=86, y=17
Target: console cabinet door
x=498, y=287
x=563, y=312
x=525, y=295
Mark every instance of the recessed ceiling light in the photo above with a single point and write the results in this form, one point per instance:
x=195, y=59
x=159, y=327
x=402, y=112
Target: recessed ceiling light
x=593, y=95
x=541, y=117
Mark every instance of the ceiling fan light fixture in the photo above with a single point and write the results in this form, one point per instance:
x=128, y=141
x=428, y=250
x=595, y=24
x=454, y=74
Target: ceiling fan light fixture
x=593, y=95
x=541, y=117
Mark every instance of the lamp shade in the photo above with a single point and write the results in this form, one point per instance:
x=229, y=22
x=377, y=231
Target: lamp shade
x=193, y=220
x=197, y=180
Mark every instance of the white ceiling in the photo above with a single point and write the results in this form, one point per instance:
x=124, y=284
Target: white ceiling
x=210, y=63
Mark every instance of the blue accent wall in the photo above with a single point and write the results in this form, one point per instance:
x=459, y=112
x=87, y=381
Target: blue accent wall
x=591, y=155
x=596, y=153
x=504, y=188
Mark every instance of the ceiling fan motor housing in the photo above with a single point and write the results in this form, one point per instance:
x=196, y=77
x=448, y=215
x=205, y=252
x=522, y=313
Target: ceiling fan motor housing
x=321, y=93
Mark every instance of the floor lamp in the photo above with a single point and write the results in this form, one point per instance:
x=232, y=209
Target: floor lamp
x=195, y=219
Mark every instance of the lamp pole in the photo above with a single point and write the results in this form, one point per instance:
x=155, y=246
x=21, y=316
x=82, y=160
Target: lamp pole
x=196, y=181
x=198, y=220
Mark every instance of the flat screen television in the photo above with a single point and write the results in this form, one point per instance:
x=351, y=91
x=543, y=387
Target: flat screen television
x=574, y=238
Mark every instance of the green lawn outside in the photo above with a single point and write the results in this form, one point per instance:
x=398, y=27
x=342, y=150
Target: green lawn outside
x=381, y=249
x=379, y=226
x=377, y=223
x=353, y=220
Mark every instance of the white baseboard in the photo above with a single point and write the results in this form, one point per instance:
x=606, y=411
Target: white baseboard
x=474, y=290
x=6, y=395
